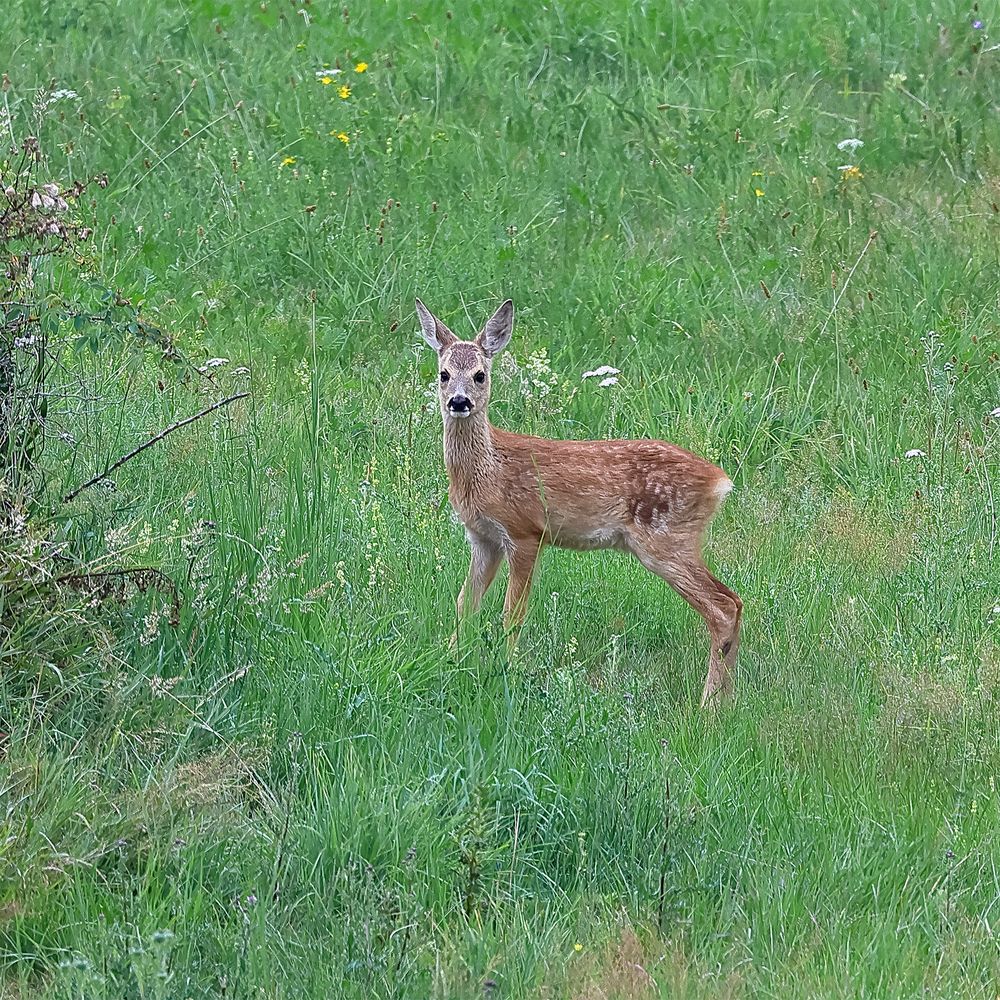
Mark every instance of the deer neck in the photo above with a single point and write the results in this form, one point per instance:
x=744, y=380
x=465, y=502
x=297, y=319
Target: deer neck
x=469, y=455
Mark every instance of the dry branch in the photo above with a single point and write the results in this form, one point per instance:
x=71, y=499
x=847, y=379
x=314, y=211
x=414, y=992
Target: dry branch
x=147, y=444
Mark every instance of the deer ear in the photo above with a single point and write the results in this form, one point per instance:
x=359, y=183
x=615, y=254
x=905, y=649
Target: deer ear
x=433, y=330
x=497, y=332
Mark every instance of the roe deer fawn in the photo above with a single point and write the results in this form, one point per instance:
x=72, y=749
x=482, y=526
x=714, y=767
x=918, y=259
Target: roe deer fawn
x=516, y=494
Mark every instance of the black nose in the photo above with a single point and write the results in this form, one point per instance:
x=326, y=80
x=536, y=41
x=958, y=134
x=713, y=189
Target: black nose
x=460, y=404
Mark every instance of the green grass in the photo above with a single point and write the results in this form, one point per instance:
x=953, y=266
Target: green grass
x=407, y=823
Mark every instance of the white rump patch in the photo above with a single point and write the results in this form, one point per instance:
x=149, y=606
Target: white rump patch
x=723, y=488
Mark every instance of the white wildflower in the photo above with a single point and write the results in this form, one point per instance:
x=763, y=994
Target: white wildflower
x=850, y=145
x=995, y=414
x=611, y=380
x=327, y=72
x=216, y=362
x=78, y=964
x=508, y=368
x=151, y=629
x=846, y=166
x=534, y=377
x=538, y=374
x=603, y=370
x=17, y=523
x=63, y=95
x=116, y=539
x=262, y=586
x=160, y=686
x=915, y=453
x=144, y=539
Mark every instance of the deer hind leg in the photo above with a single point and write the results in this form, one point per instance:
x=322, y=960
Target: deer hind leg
x=732, y=646
x=522, y=559
x=720, y=608
x=483, y=565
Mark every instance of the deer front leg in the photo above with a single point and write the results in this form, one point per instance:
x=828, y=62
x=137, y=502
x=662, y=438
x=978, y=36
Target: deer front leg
x=483, y=565
x=522, y=560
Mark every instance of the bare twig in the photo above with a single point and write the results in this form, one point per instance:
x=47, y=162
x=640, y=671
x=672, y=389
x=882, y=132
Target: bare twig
x=147, y=444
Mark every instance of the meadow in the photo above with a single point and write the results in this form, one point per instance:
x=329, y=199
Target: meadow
x=782, y=226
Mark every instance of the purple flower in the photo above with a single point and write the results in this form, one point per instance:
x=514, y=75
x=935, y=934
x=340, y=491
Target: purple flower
x=977, y=24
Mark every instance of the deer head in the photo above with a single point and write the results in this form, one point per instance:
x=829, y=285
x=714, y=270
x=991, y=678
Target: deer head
x=464, y=365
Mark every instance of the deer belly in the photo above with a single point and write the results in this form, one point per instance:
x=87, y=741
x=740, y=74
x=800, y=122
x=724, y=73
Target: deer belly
x=607, y=536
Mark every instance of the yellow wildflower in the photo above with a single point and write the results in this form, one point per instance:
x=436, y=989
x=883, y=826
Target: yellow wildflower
x=757, y=173
x=361, y=67
x=578, y=946
x=851, y=173
x=326, y=80
x=342, y=136
x=344, y=92
x=287, y=161
x=758, y=192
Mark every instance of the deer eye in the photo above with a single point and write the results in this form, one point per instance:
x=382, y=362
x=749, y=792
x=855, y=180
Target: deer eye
x=479, y=377
x=445, y=376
